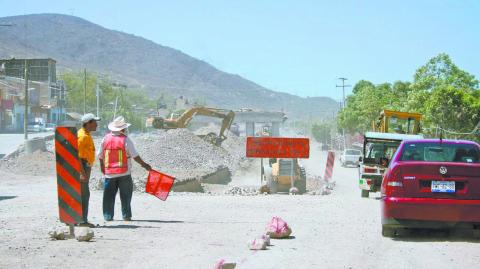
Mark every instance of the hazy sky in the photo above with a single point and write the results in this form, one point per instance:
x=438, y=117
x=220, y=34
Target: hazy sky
x=299, y=47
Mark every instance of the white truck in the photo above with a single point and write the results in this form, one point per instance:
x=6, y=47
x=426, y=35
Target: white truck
x=378, y=149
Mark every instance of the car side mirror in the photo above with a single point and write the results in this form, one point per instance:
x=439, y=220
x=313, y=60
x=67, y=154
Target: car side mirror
x=360, y=159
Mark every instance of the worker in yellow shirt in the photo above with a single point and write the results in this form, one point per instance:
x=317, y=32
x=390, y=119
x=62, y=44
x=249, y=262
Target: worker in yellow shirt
x=86, y=153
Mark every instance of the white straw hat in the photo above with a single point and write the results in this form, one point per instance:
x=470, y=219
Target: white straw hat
x=118, y=124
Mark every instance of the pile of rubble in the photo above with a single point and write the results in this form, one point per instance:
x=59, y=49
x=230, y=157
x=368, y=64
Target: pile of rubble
x=38, y=163
x=316, y=185
x=242, y=191
x=178, y=152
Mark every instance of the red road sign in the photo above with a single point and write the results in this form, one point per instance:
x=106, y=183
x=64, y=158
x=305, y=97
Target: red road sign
x=277, y=147
x=68, y=175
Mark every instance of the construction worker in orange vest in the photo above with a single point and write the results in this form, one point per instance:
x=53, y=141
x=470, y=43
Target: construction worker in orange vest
x=86, y=153
x=115, y=156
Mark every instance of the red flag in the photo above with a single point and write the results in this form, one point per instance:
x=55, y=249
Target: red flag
x=159, y=184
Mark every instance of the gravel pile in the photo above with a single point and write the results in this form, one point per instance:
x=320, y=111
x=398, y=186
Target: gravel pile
x=39, y=163
x=177, y=152
x=242, y=191
x=182, y=154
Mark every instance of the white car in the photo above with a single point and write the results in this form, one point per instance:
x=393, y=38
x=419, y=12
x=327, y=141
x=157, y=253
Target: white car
x=350, y=157
x=50, y=127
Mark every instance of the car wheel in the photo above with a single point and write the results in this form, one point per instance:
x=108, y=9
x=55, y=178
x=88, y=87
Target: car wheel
x=476, y=234
x=365, y=193
x=301, y=184
x=388, y=232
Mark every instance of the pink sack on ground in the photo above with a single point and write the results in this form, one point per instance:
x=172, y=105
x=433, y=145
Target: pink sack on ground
x=278, y=228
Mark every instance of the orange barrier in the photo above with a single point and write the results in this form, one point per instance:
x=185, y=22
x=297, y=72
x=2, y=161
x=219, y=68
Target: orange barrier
x=68, y=175
x=329, y=167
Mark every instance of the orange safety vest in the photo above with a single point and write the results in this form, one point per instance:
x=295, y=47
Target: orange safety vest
x=115, y=155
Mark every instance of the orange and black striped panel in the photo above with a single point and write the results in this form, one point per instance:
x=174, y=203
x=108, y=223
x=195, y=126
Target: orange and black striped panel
x=329, y=168
x=68, y=175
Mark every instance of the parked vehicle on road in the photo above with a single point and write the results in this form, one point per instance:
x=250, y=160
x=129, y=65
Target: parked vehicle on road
x=350, y=157
x=50, y=127
x=378, y=149
x=432, y=184
x=35, y=127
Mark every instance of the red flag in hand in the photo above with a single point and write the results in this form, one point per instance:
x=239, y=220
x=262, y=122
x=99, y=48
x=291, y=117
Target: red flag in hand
x=159, y=184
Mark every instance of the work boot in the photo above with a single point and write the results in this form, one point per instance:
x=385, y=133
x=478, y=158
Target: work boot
x=87, y=224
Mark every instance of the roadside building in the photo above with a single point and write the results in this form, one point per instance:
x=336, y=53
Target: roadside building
x=46, y=94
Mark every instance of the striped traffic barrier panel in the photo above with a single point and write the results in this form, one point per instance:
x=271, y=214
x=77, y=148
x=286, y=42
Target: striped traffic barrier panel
x=329, y=167
x=68, y=175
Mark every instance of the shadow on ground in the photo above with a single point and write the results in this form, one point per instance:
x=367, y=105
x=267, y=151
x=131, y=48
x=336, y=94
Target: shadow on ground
x=159, y=221
x=429, y=235
x=7, y=197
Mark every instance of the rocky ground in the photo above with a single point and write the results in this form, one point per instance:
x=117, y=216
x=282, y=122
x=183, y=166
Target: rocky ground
x=196, y=230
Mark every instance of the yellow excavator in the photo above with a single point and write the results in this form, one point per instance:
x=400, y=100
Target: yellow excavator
x=183, y=120
x=397, y=122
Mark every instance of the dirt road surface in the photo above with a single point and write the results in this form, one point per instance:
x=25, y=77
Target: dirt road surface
x=340, y=230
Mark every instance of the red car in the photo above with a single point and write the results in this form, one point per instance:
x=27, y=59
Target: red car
x=432, y=184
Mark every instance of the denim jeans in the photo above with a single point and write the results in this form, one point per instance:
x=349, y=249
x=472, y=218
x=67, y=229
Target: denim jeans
x=85, y=191
x=111, y=186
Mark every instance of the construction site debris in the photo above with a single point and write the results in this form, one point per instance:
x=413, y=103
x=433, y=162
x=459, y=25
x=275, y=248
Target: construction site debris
x=38, y=163
x=177, y=152
x=242, y=191
x=257, y=244
x=83, y=234
x=58, y=234
x=222, y=264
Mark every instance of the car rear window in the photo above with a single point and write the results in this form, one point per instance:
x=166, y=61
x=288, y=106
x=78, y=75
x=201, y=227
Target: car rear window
x=353, y=152
x=381, y=150
x=440, y=152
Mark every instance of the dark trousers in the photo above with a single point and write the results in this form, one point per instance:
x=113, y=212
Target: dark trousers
x=85, y=191
x=111, y=186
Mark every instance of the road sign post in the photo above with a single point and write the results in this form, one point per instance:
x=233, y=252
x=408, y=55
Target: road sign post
x=278, y=147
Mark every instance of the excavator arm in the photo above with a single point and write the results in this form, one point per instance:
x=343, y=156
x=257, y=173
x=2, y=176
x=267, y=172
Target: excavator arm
x=187, y=116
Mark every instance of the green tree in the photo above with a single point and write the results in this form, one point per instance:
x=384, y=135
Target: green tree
x=447, y=96
x=322, y=132
x=133, y=104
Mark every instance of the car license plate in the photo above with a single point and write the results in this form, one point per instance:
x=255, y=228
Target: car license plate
x=443, y=186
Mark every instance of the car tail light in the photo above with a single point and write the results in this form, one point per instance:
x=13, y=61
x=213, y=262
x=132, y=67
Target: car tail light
x=392, y=184
x=369, y=170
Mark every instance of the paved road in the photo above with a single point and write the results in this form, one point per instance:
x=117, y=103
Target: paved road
x=340, y=230
x=10, y=142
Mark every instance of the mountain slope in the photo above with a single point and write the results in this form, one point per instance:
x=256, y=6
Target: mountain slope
x=76, y=43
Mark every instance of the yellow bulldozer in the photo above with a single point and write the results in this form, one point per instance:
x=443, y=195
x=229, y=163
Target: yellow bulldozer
x=284, y=175
x=391, y=121
x=184, y=119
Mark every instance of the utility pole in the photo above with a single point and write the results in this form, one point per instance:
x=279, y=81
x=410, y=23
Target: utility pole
x=343, y=106
x=343, y=89
x=85, y=91
x=25, y=116
x=98, y=100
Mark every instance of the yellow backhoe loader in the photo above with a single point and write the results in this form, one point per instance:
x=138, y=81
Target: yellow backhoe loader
x=397, y=122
